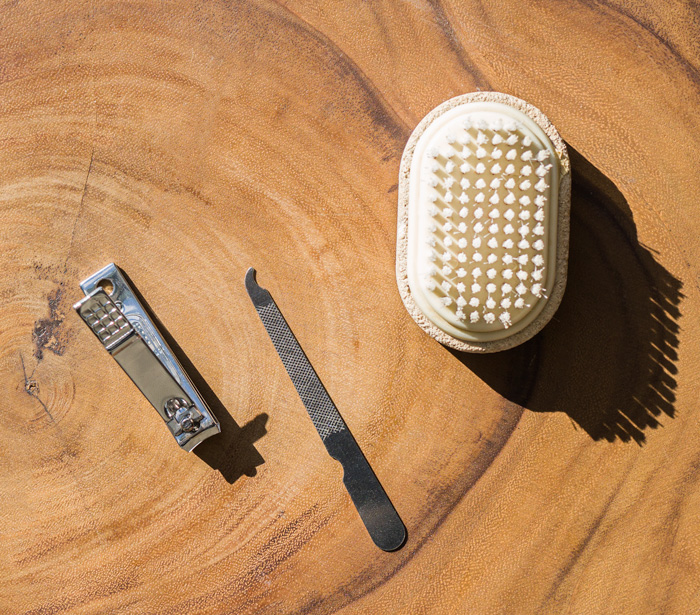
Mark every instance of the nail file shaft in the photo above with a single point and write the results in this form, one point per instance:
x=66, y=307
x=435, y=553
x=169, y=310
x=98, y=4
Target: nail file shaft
x=376, y=511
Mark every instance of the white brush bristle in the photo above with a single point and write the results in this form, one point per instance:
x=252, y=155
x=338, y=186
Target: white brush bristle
x=487, y=197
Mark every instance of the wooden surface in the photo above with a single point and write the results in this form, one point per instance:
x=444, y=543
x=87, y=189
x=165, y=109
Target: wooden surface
x=187, y=141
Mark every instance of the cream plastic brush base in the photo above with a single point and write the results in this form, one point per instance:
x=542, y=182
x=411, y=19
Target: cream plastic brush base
x=483, y=224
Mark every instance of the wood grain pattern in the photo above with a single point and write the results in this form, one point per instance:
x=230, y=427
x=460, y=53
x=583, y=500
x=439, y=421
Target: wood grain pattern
x=188, y=141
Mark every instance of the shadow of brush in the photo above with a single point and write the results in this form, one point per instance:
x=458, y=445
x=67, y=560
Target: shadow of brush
x=232, y=452
x=607, y=358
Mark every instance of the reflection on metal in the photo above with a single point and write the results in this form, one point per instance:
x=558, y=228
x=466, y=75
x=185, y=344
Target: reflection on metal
x=120, y=322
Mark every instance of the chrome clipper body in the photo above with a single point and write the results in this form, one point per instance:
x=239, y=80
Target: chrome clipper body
x=126, y=331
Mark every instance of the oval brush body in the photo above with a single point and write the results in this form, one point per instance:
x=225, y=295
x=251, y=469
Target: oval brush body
x=483, y=224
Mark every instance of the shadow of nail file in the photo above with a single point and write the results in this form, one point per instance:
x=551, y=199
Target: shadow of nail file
x=376, y=510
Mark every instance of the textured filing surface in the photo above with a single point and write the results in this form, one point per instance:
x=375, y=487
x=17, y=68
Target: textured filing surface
x=502, y=209
x=318, y=403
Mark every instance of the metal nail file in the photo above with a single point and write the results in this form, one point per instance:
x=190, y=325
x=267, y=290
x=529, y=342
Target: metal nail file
x=115, y=315
x=376, y=510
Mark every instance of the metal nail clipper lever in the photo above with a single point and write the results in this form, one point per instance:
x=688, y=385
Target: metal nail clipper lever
x=376, y=510
x=126, y=331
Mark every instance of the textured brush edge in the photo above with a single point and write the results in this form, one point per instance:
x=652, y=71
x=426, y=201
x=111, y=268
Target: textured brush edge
x=562, y=221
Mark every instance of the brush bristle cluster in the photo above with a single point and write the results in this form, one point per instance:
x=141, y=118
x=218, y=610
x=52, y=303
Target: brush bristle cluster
x=486, y=196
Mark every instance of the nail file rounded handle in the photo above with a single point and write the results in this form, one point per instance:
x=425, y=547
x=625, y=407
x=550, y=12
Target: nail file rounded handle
x=376, y=510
